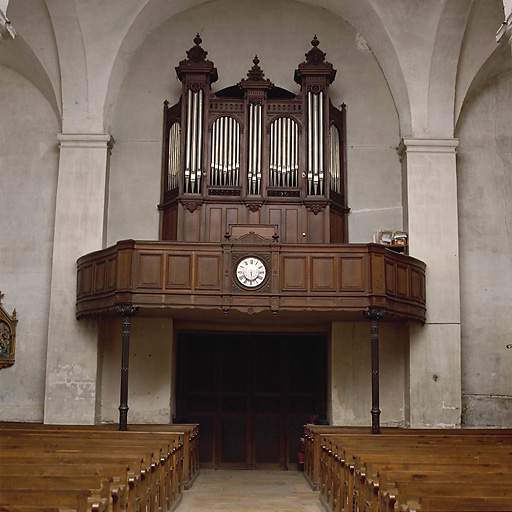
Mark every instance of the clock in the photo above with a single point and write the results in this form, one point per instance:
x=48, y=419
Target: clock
x=251, y=272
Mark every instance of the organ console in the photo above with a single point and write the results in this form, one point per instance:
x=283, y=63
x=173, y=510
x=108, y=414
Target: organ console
x=254, y=153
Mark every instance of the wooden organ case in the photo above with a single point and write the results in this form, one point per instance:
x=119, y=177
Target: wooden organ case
x=254, y=154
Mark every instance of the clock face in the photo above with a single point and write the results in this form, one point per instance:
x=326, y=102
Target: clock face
x=251, y=272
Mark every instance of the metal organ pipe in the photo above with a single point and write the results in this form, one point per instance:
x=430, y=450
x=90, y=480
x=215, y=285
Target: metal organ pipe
x=199, y=140
x=315, y=144
x=321, y=143
x=174, y=156
x=284, y=153
x=258, y=149
x=225, y=158
x=193, y=160
x=310, y=141
x=188, y=142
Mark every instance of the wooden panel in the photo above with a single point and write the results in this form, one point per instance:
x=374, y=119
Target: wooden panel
x=232, y=217
x=352, y=274
x=274, y=217
x=125, y=259
x=323, y=274
x=170, y=223
x=215, y=224
x=111, y=272
x=99, y=277
x=402, y=281
x=390, y=278
x=207, y=272
x=177, y=274
x=293, y=273
x=315, y=234
x=416, y=286
x=179, y=270
x=86, y=280
x=292, y=225
x=377, y=274
x=191, y=225
x=150, y=273
x=337, y=227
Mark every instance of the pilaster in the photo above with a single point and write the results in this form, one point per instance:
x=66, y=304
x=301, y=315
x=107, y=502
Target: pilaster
x=431, y=219
x=72, y=354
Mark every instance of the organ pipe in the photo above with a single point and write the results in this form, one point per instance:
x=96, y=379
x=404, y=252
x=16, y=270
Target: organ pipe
x=316, y=170
x=174, y=156
x=225, y=157
x=284, y=154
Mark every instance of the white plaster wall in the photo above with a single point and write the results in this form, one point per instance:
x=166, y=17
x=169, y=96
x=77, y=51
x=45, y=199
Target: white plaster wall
x=151, y=394
x=351, y=394
x=485, y=208
x=233, y=32
x=28, y=167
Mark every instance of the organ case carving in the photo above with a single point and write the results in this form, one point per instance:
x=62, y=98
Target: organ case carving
x=254, y=153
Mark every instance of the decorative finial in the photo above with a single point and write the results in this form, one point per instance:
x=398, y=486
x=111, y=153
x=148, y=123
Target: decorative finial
x=198, y=40
x=255, y=61
x=315, y=42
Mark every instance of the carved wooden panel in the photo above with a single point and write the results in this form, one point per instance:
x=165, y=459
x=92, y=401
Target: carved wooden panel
x=215, y=223
x=86, y=279
x=150, y=271
x=208, y=273
x=417, y=292
x=293, y=273
x=390, y=278
x=292, y=225
x=402, y=281
x=125, y=258
x=301, y=277
x=111, y=272
x=179, y=271
x=315, y=230
x=323, y=274
x=100, y=269
x=352, y=274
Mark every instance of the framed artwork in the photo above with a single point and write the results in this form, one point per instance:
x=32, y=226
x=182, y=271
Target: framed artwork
x=7, y=336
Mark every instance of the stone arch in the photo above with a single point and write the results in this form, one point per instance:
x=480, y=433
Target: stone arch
x=19, y=56
x=360, y=15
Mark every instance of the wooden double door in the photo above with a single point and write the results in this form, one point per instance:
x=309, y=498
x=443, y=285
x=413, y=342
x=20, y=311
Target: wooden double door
x=251, y=395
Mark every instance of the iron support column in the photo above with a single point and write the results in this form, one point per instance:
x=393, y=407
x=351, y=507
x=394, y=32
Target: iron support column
x=374, y=314
x=126, y=311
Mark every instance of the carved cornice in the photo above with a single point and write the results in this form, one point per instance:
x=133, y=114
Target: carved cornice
x=85, y=140
x=374, y=313
x=126, y=309
x=197, y=65
x=315, y=65
x=192, y=205
x=251, y=238
x=427, y=146
x=253, y=207
x=316, y=207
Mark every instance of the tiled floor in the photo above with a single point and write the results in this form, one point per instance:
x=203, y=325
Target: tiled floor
x=271, y=491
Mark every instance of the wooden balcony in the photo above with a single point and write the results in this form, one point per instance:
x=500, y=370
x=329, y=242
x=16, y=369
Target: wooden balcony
x=166, y=277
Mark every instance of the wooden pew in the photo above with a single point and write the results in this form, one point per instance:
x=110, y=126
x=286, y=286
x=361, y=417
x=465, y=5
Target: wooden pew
x=148, y=466
x=341, y=454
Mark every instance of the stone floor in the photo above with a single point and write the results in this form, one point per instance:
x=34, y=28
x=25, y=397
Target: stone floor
x=271, y=491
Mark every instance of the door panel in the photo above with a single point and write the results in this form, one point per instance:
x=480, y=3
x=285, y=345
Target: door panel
x=251, y=395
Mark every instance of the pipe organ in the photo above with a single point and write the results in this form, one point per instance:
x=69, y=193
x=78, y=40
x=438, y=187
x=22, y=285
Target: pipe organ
x=254, y=153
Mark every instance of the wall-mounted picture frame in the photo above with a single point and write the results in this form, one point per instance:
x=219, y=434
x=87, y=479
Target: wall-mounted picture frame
x=7, y=336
